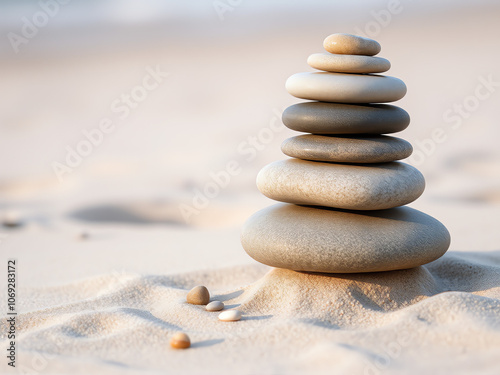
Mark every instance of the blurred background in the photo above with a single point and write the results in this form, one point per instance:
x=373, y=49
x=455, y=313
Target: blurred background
x=132, y=132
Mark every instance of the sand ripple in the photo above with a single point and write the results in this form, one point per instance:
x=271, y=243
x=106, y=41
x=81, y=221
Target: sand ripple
x=291, y=319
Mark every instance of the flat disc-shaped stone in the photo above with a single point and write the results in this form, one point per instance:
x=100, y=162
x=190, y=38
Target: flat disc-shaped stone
x=345, y=88
x=347, y=186
x=336, y=241
x=335, y=118
x=348, y=63
x=347, y=149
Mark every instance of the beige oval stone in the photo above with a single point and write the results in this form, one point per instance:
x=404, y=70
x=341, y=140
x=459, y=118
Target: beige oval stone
x=347, y=149
x=352, y=187
x=215, y=306
x=348, y=44
x=180, y=341
x=345, y=88
x=338, y=241
x=348, y=63
x=199, y=295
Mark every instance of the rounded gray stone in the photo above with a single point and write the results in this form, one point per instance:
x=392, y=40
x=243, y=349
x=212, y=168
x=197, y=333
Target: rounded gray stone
x=347, y=186
x=336, y=118
x=347, y=149
x=336, y=241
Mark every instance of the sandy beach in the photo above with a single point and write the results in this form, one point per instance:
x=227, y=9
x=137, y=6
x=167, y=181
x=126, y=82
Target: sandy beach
x=107, y=249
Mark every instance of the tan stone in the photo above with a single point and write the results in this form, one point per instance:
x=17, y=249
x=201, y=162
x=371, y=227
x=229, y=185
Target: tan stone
x=347, y=44
x=180, y=341
x=199, y=295
x=348, y=63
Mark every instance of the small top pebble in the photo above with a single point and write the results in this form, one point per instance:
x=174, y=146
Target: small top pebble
x=230, y=315
x=347, y=44
x=215, y=306
x=199, y=295
x=180, y=341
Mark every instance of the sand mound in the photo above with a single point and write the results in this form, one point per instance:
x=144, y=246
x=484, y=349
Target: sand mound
x=292, y=320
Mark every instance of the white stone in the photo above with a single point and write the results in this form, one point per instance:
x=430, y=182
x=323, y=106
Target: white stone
x=345, y=87
x=230, y=315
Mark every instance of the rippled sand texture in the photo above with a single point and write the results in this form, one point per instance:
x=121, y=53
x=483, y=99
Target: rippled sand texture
x=342, y=323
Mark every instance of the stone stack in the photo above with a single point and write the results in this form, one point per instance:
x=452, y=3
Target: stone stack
x=343, y=188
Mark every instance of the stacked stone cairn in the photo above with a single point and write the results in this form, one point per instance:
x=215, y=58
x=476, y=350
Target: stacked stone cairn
x=343, y=189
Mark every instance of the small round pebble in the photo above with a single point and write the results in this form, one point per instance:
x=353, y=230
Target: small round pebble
x=199, y=295
x=215, y=306
x=230, y=316
x=84, y=236
x=12, y=219
x=180, y=341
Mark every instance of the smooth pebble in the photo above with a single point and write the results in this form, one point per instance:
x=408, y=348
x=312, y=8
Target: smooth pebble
x=348, y=63
x=339, y=241
x=84, y=236
x=180, y=341
x=199, y=295
x=215, y=306
x=336, y=118
x=347, y=149
x=345, y=87
x=348, y=44
x=12, y=219
x=230, y=315
x=349, y=186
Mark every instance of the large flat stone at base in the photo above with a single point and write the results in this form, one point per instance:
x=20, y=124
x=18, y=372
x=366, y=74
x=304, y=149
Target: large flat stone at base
x=303, y=238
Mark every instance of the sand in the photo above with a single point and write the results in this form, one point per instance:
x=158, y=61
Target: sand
x=434, y=316
x=109, y=303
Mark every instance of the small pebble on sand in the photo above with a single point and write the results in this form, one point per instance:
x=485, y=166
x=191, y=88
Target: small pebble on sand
x=84, y=236
x=180, y=341
x=199, y=295
x=230, y=316
x=12, y=219
x=215, y=306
